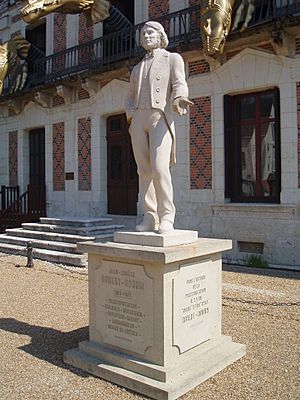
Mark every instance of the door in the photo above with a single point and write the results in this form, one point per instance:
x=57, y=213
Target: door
x=37, y=188
x=37, y=157
x=122, y=179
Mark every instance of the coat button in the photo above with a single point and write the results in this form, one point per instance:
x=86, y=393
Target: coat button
x=158, y=78
x=158, y=89
x=157, y=101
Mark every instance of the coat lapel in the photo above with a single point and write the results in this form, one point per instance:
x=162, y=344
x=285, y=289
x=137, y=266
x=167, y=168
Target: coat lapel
x=158, y=63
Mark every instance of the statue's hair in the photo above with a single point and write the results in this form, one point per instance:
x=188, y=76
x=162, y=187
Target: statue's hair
x=158, y=27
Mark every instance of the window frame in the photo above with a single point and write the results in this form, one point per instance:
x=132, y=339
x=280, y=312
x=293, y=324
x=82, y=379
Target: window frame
x=233, y=162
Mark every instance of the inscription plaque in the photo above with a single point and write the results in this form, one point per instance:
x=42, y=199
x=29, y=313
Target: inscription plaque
x=192, y=303
x=124, y=306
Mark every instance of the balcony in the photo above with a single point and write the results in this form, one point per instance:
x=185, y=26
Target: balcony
x=108, y=52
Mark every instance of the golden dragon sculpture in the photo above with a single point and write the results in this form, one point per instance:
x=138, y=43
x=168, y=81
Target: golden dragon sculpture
x=16, y=48
x=96, y=10
x=216, y=18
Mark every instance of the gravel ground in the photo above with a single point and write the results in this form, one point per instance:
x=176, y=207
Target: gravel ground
x=44, y=311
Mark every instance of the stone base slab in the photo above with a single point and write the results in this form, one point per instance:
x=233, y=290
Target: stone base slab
x=174, y=238
x=151, y=379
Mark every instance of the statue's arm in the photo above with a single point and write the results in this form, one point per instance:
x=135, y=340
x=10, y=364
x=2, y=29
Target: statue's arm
x=130, y=100
x=180, y=91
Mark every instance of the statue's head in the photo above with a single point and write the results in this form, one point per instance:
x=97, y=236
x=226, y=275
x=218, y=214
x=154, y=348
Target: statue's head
x=33, y=10
x=215, y=24
x=153, y=36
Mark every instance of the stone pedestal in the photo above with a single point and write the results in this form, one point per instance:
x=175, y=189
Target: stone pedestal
x=155, y=313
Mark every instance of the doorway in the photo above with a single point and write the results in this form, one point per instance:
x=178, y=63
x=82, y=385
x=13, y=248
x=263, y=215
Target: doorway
x=37, y=157
x=36, y=35
x=122, y=178
x=37, y=179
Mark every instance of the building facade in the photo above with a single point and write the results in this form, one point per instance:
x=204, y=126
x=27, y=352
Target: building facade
x=238, y=150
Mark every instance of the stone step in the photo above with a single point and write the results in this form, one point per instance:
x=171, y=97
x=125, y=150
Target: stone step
x=76, y=221
x=129, y=221
x=41, y=244
x=50, y=236
x=70, y=230
x=77, y=260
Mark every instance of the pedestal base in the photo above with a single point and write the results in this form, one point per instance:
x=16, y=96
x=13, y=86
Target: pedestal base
x=153, y=380
x=155, y=313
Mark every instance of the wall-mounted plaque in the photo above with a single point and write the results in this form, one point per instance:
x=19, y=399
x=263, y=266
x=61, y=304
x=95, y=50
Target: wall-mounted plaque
x=69, y=176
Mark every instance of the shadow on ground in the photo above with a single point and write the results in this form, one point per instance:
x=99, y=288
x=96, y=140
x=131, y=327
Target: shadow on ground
x=47, y=343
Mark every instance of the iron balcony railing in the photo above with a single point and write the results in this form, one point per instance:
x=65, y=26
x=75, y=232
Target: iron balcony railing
x=182, y=27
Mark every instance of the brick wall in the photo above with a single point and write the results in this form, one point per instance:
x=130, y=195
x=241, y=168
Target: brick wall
x=60, y=32
x=84, y=154
x=15, y=18
x=85, y=34
x=58, y=142
x=83, y=94
x=57, y=101
x=298, y=121
x=200, y=144
x=13, y=157
x=198, y=67
x=231, y=54
x=16, y=33
x=157, y=8
x=266, y=46
x=59, y=40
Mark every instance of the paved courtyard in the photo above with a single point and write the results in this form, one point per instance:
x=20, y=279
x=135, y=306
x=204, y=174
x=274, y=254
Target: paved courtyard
x=44, y=311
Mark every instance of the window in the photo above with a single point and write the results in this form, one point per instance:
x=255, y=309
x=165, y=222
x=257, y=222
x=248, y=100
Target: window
x=252, y=147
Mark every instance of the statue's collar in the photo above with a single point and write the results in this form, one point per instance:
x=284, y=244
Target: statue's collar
x=152, y=53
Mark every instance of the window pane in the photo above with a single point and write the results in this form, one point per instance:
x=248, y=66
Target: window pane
x=115, y=124
x=267, y=105
x=268, y=165
x=248, y=160
x=246, y=107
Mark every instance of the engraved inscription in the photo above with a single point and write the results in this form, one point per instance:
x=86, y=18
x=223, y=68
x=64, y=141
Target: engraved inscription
x=191, y=306
x=124, y=314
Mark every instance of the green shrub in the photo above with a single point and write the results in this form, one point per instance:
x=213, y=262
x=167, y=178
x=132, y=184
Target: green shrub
x=256, y=261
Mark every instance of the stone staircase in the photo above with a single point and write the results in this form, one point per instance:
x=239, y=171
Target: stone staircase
x=55, y=239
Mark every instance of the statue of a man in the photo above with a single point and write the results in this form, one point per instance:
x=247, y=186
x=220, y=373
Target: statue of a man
x=157, y=88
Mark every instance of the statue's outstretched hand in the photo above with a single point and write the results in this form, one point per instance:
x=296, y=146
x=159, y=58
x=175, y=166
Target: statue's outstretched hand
x=180, y=105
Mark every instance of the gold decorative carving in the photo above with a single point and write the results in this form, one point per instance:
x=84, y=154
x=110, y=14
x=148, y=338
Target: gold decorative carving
x=10, y=51
x=215, y=22
x=96, y=10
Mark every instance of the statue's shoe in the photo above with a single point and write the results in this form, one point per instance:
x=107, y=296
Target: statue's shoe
x=147, y=225
x=165, y=226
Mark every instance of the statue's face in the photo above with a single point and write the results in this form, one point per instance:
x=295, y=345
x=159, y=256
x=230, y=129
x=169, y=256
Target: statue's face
x=150, y=38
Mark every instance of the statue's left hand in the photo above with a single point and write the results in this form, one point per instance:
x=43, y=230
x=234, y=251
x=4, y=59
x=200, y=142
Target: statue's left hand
x=180, y=105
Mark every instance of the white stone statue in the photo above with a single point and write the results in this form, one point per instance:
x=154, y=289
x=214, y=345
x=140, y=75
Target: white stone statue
x=157, y=88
